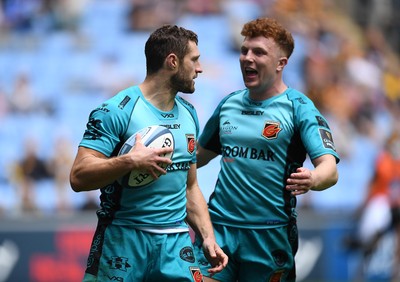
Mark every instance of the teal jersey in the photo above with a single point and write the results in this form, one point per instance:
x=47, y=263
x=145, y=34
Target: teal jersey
x=261, y=143
x=161, y=204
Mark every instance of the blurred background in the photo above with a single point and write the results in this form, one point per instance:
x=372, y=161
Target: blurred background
x=59, y=59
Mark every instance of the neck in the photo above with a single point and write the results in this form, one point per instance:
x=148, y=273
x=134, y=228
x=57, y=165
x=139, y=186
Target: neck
x=158, y=93
x=263, y=94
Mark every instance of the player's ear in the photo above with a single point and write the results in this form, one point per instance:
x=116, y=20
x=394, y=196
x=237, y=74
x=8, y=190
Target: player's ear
x=282, y=62
x=172, y=61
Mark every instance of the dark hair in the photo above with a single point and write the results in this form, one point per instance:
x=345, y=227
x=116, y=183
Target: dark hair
x=164, y=41
x=270, y=28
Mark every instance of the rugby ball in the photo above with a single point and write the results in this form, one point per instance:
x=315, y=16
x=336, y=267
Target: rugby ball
x=154, y=136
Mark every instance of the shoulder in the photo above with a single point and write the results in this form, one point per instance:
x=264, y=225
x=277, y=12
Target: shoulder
x=122, y=101
x=189, y=106
x=231, y=97
x=302, y=105
x=126, y=98
x=115, y=112
x=237, y=93
x=298, y=97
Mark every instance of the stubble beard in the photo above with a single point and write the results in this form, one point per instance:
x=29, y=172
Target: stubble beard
x=181, y=83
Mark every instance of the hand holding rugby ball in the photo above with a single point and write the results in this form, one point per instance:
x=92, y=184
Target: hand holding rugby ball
x=155, y=136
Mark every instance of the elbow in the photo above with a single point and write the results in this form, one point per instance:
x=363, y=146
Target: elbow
x=329, y=182
x=335, y=178
x=75, y=183
x=75, y=187
x=332, y=180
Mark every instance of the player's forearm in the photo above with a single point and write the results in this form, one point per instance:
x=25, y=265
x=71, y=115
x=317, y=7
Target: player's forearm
x=197, y=214
x=325, y=174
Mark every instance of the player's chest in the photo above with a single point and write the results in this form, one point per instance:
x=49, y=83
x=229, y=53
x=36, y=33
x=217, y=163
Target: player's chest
x=181, y=125
x=255, y=127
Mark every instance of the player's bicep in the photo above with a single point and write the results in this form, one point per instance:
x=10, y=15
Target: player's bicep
x=327, y=158
x=85, y=159
x=84, y=168
x=84, y=154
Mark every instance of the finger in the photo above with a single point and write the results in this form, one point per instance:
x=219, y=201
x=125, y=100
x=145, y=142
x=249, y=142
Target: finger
x=299, y=192
x=215, y=269
x=291, y=187
x=222, y=257
x=301, y=169
x=220, y=262
x=300, y=175
x=298, y=181
x=160, y=167
x=163, y=162
x=212, y=253
x=163, y=151
x=138, y=138
x=160, y=171
x=298, y=186
x=154, y=174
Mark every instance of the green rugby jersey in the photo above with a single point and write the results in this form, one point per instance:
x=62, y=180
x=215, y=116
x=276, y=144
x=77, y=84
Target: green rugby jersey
x=161, y=204
x=261, y=143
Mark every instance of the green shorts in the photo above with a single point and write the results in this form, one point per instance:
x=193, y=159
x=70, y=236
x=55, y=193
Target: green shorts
x=120, y=253
x=255, y=255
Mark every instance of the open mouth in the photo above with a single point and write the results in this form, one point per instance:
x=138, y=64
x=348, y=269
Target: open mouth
x=250, y=72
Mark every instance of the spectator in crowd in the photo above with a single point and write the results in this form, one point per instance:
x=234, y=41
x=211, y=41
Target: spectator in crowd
x=146, y=15
x=60, y=166
x=22, y=98
x=27, y=173
x=380, y=212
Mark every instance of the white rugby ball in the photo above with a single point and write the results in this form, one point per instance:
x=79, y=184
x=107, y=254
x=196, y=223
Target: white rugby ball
x=155, y=136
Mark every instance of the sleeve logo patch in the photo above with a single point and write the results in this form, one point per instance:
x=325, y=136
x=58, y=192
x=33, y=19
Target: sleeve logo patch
x=327, y=139
x=271, y=130
x=322, y=122
x=191, y=143
x=124, y=102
